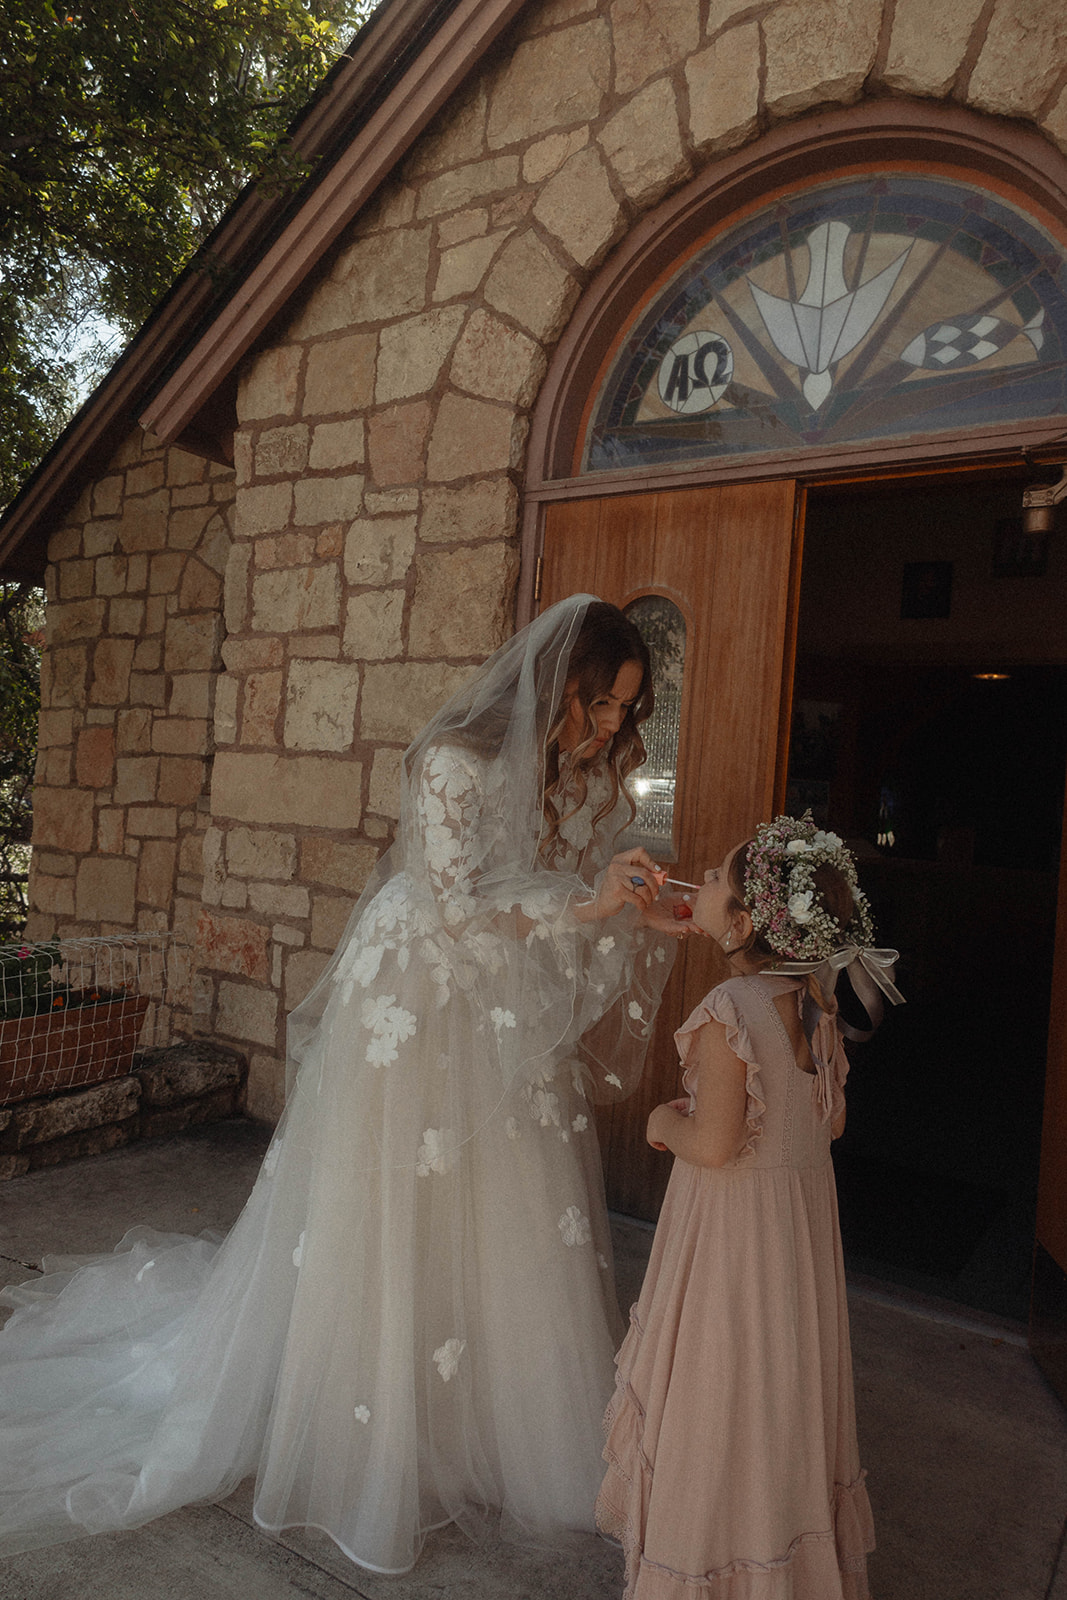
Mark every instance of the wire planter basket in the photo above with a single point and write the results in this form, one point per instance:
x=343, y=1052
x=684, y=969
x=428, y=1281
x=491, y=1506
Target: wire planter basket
x=74, y=1011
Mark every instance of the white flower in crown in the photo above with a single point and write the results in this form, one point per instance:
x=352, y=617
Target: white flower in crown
x=574, y=1227
x=799, y=906
x=797, y=847
x=446, y=1357
x=362, y=1413
x=826, y=841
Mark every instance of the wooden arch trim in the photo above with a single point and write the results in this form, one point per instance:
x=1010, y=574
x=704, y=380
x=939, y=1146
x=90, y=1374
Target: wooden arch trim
x=1005, y=156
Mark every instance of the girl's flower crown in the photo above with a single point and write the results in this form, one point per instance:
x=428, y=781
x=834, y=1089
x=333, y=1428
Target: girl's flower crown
x=781, y=896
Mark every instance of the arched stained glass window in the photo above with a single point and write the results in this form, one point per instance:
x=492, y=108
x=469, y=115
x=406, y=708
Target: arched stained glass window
x=872, y=308
x=662, y=626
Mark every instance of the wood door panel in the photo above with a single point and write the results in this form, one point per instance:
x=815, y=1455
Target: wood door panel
x=725, y=557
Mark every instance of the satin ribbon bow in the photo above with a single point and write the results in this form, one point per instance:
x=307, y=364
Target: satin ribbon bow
x=870, y=972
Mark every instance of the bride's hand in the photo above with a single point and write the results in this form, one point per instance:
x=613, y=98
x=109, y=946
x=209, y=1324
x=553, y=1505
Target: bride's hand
x=629, y=879
x=661, y=918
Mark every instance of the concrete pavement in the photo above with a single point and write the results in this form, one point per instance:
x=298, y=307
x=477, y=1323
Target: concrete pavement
x=965, y=1445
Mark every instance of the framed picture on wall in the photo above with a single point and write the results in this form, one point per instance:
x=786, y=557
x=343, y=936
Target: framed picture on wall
x=926, y=589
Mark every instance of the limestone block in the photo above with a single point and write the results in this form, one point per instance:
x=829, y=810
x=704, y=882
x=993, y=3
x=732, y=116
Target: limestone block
x=268, y=386
x=39, y=1120
x=191, y=644
x=64, y=544
x=247, y=1012
x=127, y=616
x=143, y=525
x=272, y=789
x=94, y=763
x=551, y=82
x=190, y=694
x=391, y=502
x=340, y=375
x=333, y=862
x=487, y=509
x=180, y=736
x=1055, y=121
x=245, y=655
x=76, y=1146
x=63, y=677
x=651, y=38
x=303, y=969
x=133, y=732
x=187, y=1069
x=112, y=661
x=643, y=143
x=152, y=822
x=214, y=866
x=147, y=476
x=260, y=853
x=76, y=579
x=136, y=779
x=99, y=539
x=375, y=279
x=105, y=890
x=234, y=945
x=110, y=575
x=461, y=225
x=282, y=451
x=396, y=443
x=1021, y=61
x=52, y=895
x=374, y=624
x=337, y=444
x=56, y=866
x=52, y=768
x=187, y=524
x=578, y=207
x=243, y=461
x=291, y=600
x=155, y=873
x=165, y=571
x=321, y=646
x=79, y=619
x=479, y=180
x=333, y=499
x=927, y=45
x=107, y=494
x=235, y=588
x=465, y=265
x=533, y=288
x=379, y=550
x=137, y=578
x=214, y=549
x=547, y=155
x=63, y=819
x=148, y=656
x=496, y=361
x=329, y=915
x=385, y=779
x=147, y=689
x=259, y=712
x=54, y=727
x=181, y=780
x=412, y=353
x=818, y=54
x=201, y=589
x=279, y=900
x=724, y=90
x=471, y=438
x=320, y=705
x=265, y=508
x=400, y=698
x=463, y=600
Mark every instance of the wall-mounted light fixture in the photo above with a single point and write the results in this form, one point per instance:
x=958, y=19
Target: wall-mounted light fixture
x=1039, y=504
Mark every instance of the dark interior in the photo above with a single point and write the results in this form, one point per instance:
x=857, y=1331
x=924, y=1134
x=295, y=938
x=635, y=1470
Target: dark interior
x=930, y=730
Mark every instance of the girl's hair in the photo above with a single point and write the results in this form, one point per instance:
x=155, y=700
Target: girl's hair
x=833, y=894
x=606, y=641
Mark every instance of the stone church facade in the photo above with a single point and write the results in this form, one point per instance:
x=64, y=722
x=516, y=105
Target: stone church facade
x=238, y=654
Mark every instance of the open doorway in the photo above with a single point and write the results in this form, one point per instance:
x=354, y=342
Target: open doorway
x=930, y=730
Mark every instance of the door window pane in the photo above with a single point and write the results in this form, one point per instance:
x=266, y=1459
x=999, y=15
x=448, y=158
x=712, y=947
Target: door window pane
x=662, y=626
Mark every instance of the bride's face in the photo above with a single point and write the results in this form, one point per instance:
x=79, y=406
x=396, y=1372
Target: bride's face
x=608, y=711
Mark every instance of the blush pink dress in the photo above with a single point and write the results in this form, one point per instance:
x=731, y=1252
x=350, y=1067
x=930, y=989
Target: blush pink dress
x=733, y=1468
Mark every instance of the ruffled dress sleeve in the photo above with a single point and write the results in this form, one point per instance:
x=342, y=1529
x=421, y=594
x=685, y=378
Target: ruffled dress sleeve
x=721, y=1006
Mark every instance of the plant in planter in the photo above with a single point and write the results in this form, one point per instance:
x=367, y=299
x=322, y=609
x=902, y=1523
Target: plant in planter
x=54, y=1036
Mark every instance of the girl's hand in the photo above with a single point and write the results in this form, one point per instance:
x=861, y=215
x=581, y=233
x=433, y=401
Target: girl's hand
x=660, y=1121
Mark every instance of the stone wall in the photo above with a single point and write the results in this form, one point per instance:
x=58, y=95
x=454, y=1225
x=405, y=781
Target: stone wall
x=379, y=452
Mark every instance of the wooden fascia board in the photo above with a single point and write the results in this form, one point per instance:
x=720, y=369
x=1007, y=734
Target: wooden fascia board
x=447, y=59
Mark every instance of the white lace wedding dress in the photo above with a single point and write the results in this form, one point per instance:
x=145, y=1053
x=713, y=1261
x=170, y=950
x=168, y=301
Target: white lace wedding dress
x=414, y=1318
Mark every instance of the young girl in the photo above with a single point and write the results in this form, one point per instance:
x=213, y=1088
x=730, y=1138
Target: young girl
x=733, y=1467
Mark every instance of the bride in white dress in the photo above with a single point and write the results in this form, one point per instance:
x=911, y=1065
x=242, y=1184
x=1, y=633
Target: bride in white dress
x=413, y=1320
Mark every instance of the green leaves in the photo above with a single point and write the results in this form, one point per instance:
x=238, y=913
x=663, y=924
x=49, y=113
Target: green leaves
x=124, y=134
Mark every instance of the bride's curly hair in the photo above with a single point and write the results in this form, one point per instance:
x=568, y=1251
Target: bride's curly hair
x=606, y=641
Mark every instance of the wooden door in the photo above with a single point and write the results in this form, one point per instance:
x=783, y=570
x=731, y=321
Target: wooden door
x=728, y=557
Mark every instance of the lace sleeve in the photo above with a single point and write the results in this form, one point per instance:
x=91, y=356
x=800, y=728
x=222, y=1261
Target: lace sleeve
x=449, y=808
